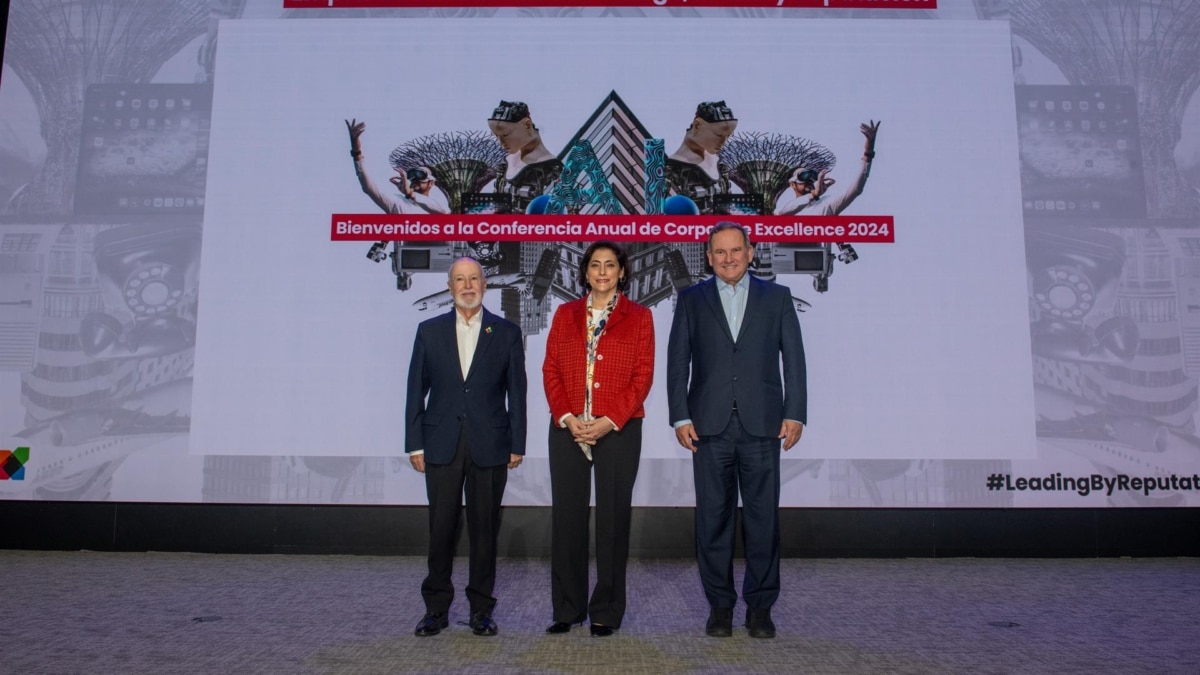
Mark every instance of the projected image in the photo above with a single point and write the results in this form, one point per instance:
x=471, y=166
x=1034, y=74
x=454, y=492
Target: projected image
x=1080, y=153
x=144, y=149
x=926, y=352
x=611, y=143
x=716, y=170
x=1112, y=374
x=110, y=361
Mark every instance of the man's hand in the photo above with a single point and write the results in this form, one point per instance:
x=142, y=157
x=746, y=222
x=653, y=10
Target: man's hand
x=514, y=461
x=418, y=462
x=822, y=184
x=356, y=129
x=401, y=182
x=869, y=129
x=686, y=435
x=790, y=433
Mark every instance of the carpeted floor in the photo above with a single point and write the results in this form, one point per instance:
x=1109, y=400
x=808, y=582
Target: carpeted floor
x=165, y=613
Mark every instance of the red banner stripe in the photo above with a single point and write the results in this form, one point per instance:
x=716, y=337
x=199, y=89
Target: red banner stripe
x=675, y=229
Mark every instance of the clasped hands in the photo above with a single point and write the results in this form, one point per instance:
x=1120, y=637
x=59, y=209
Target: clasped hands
x=588, y=431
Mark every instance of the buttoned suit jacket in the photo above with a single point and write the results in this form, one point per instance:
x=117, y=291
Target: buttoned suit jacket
x=708, y=371
x=488, y=405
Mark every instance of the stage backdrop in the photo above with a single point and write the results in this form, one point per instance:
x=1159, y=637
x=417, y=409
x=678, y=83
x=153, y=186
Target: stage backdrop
x=1011, y=316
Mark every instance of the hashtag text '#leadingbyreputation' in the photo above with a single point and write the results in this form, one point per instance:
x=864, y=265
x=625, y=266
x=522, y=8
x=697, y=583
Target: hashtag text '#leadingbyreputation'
x=1085, y=485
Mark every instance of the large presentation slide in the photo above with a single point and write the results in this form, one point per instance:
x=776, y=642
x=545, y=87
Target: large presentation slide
x=212, y=275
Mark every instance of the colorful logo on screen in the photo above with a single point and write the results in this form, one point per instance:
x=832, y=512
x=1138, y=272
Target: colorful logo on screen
x=12, y=463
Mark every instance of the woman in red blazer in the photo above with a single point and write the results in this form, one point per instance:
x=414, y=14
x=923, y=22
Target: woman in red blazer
x=597, y=373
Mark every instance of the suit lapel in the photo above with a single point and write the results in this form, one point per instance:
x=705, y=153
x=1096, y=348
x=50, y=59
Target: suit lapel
x=485, y=340
x=448, y=337
x=615, y=316
x=714, y=302
x=754, y=296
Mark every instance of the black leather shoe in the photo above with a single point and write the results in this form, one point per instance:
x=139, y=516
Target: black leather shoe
x=720, y=622
x=560, y=627
x=483, y=624
x=600, y=630
x=432, y=624
x=758, y=622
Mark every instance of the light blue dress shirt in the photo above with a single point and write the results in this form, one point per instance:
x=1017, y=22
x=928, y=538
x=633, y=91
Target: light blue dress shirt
x=733, y=301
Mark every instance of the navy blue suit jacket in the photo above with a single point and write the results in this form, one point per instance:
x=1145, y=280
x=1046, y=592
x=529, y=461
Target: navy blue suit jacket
x=708, y=370
x=488, y=405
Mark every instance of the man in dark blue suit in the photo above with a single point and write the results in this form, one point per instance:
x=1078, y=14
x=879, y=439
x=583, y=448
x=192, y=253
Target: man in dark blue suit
x=730, y=407
x=465, y=426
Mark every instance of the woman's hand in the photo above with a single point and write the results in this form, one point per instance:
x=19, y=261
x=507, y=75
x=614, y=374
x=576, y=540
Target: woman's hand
x=576, y=427
x=594, y=430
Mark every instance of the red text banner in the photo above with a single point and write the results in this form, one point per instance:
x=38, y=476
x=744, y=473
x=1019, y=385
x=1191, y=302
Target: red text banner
x=679, y=229
x=694, y=4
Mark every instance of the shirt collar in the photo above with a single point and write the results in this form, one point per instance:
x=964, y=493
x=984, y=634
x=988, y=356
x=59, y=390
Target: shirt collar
x=743, y=283
x=469, y=323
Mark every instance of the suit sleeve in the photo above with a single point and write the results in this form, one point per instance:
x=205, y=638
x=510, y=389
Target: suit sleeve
x=418, y=387
x=553, y=378
x=517, y=386
x=679, y=363
x=795, y=378
x=643, y=371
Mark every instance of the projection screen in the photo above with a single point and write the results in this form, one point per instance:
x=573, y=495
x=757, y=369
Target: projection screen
x=1000, y=309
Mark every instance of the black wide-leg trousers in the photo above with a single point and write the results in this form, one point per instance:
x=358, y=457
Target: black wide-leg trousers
x=616, y=457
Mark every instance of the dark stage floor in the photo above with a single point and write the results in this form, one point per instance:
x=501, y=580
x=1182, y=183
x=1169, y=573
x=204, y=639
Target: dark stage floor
x=195, y=613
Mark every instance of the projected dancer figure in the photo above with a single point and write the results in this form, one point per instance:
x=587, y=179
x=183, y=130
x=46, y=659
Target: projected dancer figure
x=415, y=185
x=530, y=168
x=694, y=170
x=464, y=425
x=808, y=186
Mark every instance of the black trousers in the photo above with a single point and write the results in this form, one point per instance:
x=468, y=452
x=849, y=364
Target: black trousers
x=484, y=487
x=721, y=465
x=616, y=457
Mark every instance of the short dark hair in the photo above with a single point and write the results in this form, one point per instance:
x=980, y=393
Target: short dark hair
x=727, y=225
x=714, y=111
x=622, y=262
x=510, y=111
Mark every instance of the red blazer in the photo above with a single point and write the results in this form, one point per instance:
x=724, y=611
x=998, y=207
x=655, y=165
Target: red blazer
x=624, y=362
